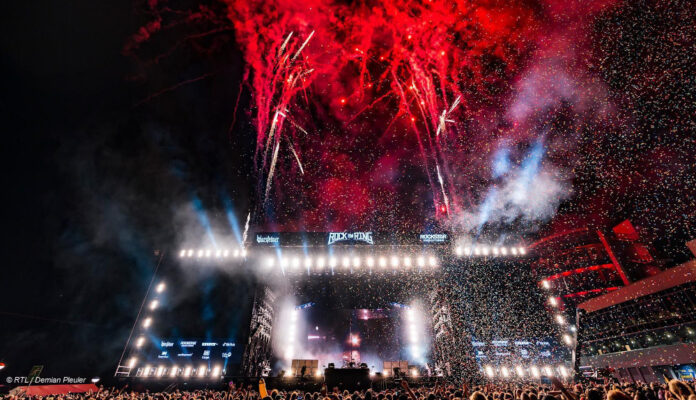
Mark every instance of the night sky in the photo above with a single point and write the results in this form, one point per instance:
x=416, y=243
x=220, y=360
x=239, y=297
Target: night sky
x=123, y=119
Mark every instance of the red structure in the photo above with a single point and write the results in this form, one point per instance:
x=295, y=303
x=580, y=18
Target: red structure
x=581, y=263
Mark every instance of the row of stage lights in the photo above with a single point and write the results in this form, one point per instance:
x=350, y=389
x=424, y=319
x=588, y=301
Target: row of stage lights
x=460, y=251
x=521, y=372
x=173, y=372
x=486, y=251
x=208, y=253
x=355, y=262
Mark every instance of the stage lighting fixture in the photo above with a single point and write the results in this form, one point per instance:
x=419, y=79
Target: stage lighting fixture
x=505, y=372
x=356, y=262
x=432, y=261
x=320, y=262
x=160, y=371
x=489, y=371
x=139, y=343
x=372, y=373
x=160, y=287
x=567, y=339
x=370, y=262
x=354, y=340
x=545, y=284
x=421, y=261
x=208, y=253
x=154, y=304
x=218, y=254
x=147, y=322
x=477, y=251
x=458, y=251
x=270, y=261
x=190, y=253
x=503, y=251
x=183, y=253
x=495, y=251
x=484, y=251
x=173, y=371
x=318, y=373
x=94, y=380
x=295, y=262
x=346, y=262
x=308, y=262
x=200, y=253
x=187, y=372
x=560, y=319
x=235, y=253
x=332, y=262
x=407, y=262
x=288, y=353
x=131, y=362
x=226, y=253
x=535, y=371
x=216, y=372
x=553, y=301
x=519, y=370
x=573, y=328
x=202, y=371
x=243, y=253
x=146, y=371
x=383, y=262
x=513, y=251
x=395, y=261
x=548, y=371
x=522, y=250
x=414, y=373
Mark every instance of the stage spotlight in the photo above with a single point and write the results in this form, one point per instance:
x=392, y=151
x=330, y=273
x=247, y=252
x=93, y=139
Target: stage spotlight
x=395, y=261
x=173, y=371
x=560, y=320
x=146, y=371
x=484, y=251
x=503, y=251
x=356, y=262
x=308, y=262
x=243, y=253
x=545, y=284
x=522, y=250
x=147, y=322
x=563, y=371
x=548, y=371
x=535, y=371
x=202, y=371
x=295, y=262
x=270, y=261
x=320, y=262
x=346, y=262
x=131, y=362
x=235, y=254
x=477, y=251
x=200, y=253
x=284, y=262
x=505, y=372
x=187, y=372
x=160, y=371
x=370, y=262
x=567, y=339
x=414, y=373
x=208, y=253
x=467, y=250
x=182, y=253
x=354, y=340
x=318, y=373
x=519, y=370
x=458, y=251
x=372, y=373
x=553, y=301
x=489, y=371
x=226, y=253
x=432, y=261
x=216, y=372
x=218, y=254
x=513, y=251
x=495, y=251
x=154, y=304
x=421, y=261
x=160, y=287
x=407, y=262
x=139, y=343
x=190, y=253
x=332, y=262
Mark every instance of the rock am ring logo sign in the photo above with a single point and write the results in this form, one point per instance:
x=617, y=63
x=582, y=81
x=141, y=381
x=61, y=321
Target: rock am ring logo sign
x=350, y=236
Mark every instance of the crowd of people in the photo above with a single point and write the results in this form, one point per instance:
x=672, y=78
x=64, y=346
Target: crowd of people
x=669, y=390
